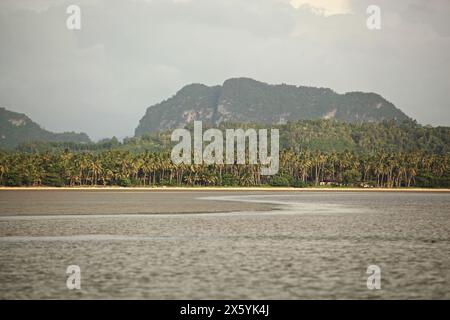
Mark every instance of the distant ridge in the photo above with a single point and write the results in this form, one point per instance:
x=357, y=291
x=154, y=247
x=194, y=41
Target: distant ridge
x=17, y=128
x=247, y=100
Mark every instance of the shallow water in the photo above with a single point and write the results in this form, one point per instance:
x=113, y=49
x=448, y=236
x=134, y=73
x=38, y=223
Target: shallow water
x=312, y=245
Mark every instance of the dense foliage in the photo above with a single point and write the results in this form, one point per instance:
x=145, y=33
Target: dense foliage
x=296, y=169
x=319, y=152
x=247, y=100
x=320, y=135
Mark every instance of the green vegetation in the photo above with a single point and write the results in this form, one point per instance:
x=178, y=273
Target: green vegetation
x=307, y=168
x=314, y=135
x=245, y=100
x=313, y=153
x=17, y=128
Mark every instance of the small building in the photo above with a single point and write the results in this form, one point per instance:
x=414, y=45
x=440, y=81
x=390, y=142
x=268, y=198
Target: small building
x=330, y=183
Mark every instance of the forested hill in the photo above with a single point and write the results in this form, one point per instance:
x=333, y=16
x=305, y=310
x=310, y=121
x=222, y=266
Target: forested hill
x=246, y=100
x=17, y=128
x=314, y=135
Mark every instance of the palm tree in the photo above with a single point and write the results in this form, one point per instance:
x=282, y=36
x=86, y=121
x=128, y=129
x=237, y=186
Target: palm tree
x=96, y=169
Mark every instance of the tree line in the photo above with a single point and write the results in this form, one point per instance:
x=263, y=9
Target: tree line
x=298, y=168
x=315, y=135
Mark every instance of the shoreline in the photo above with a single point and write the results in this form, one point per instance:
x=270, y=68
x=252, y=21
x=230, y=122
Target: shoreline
x=224, y=189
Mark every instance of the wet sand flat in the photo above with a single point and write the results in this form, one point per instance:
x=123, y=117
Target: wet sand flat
x=85, y=202
x=224, y=245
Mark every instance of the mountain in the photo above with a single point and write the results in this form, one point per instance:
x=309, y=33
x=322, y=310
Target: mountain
x=17, y=128
x=247, y=100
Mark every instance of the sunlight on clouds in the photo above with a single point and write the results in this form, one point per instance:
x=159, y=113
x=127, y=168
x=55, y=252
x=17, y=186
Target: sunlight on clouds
x=324, y=7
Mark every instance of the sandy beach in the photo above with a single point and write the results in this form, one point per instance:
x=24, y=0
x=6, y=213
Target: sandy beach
x=225, y=189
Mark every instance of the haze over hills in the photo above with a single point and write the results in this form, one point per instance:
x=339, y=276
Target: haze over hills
x=247, y=100
x=17, y=128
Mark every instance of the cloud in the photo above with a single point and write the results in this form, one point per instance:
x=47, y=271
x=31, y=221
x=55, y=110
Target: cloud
x=131, y=54
x=324, y=7
x=35, y=5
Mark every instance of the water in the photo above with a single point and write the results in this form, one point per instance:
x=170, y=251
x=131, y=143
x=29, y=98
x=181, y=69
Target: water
x=312, y=245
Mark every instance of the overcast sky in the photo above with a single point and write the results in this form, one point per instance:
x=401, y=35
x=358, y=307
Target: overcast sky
x=131, y=54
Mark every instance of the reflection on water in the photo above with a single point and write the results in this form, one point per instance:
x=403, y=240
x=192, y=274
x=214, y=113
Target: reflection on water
x=313, y=245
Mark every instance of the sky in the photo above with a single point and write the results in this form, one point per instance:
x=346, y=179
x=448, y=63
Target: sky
x=131, y=54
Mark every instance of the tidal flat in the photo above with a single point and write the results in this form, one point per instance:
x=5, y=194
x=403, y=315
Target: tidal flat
x=224, y=245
